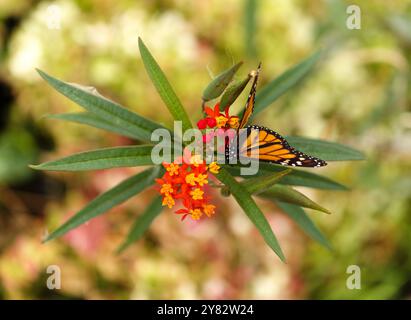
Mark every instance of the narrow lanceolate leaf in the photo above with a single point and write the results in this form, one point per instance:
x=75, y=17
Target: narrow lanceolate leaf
x=250, y=25
x=107, y=200
x=142, y=223
x=312, y=180
x=216, y=87
x=163, y=87
x=301, y=218
x=128, y=156
x=251, y=210
x=290, y=195
x=263, y=183
x=295, y=178
x=104, y=108
x=329, y=151
x=94, y=120
x=232, y=92
x=280, y=85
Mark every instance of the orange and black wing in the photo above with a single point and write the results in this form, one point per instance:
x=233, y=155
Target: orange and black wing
x=266, y=145
x=249, y=107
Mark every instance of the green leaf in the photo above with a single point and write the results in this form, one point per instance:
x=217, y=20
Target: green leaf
x=250, y=25
x=104, y=108
x=251, y=210
x=232, y=92
x=127, y=156
x=289, y=195
x=325, y=150
x=163, y=87
x=107, y=200
x=280, y=85
x=93, y=120
x=142, y=223
x=262, y=183
x=301, y=218
x=216, y=87
x=312, y=180
x=295, y=178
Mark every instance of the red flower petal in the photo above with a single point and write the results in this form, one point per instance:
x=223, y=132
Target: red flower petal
x=160, y=181
x=217, y=110
x=202, y=124
x=209, y=111
x=180, y=211
x=226, y=111
x=211, y=122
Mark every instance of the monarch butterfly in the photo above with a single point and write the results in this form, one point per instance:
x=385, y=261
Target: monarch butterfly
x=262, y=144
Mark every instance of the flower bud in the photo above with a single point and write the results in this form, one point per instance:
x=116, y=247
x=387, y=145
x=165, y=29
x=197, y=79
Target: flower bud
x=202, y=124
x=211, y=122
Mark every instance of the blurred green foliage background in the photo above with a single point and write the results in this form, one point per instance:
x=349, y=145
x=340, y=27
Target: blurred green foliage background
x=359, y=95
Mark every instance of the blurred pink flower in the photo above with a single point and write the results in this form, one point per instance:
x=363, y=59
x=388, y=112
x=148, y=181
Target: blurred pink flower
x=88, y=238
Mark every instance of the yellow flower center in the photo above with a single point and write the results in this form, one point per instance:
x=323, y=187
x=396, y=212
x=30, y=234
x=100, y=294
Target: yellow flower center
x=172, y=169
x=221, y=121
x=201, y=179
x=166, y=188
x=209, y=209
x=168, y=201
x=196, y=214
x=214, y=167
x=197, y=194
x=234, y=122
x=191, y=179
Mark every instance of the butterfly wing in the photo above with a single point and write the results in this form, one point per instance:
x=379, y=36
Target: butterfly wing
x=249, y=107
x=263, y=144
x=266, y=145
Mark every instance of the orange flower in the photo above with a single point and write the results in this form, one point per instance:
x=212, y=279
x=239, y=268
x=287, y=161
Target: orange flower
x=201, y=179
x=197, y=194
x=196, y=214
x=168, y=201
x=216, y=118
x=166, y=188
x=209, y=209
x=186, y=183
x=191, y=179
x=233, y=122
x=213, y=113
x=213, y=167
x=221, y=121
x=171, y=168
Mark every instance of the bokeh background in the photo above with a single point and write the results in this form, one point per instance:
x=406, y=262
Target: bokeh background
x=358, y=95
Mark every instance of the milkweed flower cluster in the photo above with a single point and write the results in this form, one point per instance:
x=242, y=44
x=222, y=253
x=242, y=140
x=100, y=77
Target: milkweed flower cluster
x=220, y=123
x=186, y=182
x=186, y=179
x=216, y=119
